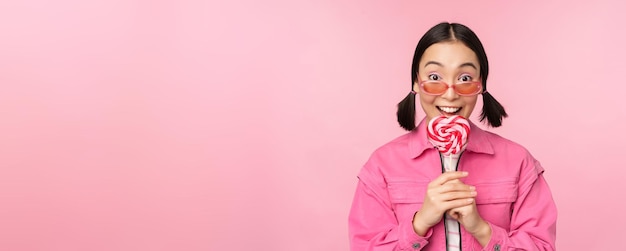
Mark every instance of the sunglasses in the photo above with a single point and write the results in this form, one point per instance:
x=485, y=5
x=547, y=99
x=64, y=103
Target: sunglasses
x=435, y=88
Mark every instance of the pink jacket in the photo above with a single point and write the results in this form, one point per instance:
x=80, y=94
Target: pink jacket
x=512, y=195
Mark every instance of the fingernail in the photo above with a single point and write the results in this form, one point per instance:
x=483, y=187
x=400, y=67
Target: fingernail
x=465, y=173
x=472, y=188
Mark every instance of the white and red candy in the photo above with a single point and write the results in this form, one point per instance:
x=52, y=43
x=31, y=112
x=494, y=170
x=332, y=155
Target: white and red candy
x=449, y=134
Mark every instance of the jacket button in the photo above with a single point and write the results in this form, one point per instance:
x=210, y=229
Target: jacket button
x=416, y=245
x=496, y=247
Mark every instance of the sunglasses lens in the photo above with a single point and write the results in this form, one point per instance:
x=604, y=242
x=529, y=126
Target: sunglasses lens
x=439, y=88
x=434, y=87
x=467, y=88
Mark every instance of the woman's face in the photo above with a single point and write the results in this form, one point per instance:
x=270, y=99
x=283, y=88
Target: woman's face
x=450, y=62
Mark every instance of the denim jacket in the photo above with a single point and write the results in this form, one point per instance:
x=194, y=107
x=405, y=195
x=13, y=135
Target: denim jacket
x=513, y=197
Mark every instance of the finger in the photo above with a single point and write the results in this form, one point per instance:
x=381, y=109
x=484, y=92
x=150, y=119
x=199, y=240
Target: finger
x=457, y=181
x=457, y=195
x=454, y=213
x=454, y=181
x=451, y=205
x=448, y=176
x=454, y=187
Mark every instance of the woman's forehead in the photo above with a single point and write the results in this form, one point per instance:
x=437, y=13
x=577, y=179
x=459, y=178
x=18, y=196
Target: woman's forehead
x=449, y=55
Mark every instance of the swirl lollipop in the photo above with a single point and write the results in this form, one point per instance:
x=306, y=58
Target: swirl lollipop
x=449, y=135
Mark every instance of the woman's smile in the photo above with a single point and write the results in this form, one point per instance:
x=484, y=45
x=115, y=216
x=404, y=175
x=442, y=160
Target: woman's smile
x=449, y=110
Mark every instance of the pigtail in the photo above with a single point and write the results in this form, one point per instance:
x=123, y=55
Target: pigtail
x=406, y=112
x=492, y=110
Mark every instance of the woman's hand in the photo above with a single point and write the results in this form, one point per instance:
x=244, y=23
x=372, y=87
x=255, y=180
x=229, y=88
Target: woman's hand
x=469, y=218
x=444, y=193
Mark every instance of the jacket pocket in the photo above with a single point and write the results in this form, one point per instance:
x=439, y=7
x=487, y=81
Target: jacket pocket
x=406, y=198
x=501, y=191
x=495, y=200
x=401, y=192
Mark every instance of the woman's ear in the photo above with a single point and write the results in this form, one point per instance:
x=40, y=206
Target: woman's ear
x=416, y=87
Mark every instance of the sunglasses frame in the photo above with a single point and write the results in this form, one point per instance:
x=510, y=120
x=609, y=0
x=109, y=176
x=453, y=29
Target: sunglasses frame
x=477, y=83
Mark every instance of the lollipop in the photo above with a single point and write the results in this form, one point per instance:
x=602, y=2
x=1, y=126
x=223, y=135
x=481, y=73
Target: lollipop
x=449, y=136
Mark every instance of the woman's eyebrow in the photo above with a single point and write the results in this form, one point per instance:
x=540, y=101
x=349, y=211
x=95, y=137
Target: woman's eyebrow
x=433, y=62
x=468, y=64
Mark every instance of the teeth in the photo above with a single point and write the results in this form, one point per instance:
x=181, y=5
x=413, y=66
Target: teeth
x=450, y=109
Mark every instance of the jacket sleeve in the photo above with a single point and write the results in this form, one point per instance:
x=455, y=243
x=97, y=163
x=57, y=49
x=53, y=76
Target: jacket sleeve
x=533, y=220
x=373, y=225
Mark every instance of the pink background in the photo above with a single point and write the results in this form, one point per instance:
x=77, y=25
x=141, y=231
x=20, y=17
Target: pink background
x=240, y=125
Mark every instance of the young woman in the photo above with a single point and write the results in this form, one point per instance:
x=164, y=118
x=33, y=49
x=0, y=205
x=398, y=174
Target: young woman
x=498, y=197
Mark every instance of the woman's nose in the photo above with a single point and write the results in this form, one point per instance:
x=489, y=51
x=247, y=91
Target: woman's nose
x=450, y=94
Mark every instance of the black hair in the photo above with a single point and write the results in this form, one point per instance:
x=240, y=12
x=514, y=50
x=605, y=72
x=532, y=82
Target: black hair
x=492, y=109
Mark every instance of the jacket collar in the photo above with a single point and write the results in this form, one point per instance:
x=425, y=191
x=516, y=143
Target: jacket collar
x=478, y=141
